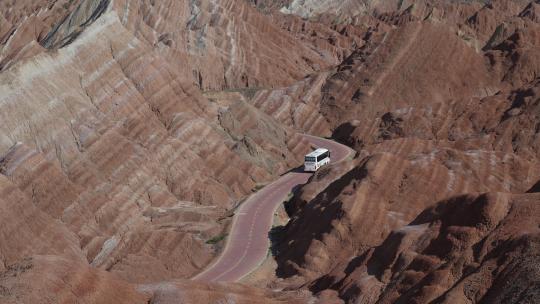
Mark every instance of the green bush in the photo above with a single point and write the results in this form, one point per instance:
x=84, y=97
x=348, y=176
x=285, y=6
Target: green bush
x=216, y=239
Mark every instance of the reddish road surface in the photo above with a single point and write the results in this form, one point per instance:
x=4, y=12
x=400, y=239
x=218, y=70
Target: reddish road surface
x=248, y=243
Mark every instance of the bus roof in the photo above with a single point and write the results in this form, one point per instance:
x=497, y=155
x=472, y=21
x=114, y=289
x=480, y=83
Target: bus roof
x=317, y=152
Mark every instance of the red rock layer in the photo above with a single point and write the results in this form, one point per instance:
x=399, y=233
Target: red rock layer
x=221, y=44
x=123, y=156
x=116, y=164
x=440, y=107
x=46, y=279
x=473, y=248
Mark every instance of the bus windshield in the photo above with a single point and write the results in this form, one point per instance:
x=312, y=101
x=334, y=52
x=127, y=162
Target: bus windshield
x=310, y=159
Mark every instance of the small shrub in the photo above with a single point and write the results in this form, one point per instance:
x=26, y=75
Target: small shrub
x=216, y=239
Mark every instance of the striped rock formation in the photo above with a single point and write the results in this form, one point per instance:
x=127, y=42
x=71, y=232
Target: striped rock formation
x=116, y=154
x=470, y=248
x=42, y=279
x=131, y=129
x=51, y=278
x=437, y=205
x=221, y=44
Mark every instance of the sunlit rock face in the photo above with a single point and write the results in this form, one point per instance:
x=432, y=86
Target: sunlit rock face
x=315, y=8
x=113, y=145
x=131, y=129
x=441, y=104
x=222, y=44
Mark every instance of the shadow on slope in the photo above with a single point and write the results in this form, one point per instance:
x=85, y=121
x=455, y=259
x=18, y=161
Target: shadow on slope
x=311, y=223
x=67, y=30
x=480, y=246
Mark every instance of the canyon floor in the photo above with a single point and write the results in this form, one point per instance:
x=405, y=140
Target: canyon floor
x=135, y=133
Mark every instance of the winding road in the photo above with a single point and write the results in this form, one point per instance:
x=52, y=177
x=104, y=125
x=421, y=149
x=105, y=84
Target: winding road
x=248, y=242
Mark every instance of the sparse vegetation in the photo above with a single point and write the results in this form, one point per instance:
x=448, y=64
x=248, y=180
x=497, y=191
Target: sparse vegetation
x=289, y=197
x=258, y=187
x=217, y=239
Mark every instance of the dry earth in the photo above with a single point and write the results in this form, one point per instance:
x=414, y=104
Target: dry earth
x=131, y=129
x=442, y=107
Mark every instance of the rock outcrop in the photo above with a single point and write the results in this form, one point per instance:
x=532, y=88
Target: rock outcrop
x=132, y=129
x=116, y=154
x=441, y=107
x=471, y=248
x=46, y=279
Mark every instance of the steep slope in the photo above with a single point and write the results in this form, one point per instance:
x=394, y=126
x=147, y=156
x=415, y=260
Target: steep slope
x=107, y=147
x=46, y=279
x=132, y=130
x=217, y=44
x=26, y=230
x=474, y=248
x=395, y=69
x=221, y=44
x=437, y=107
x=23, y=24
x=384, y=191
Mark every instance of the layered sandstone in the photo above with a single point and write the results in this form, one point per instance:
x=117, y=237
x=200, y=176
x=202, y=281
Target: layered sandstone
x=98, y=137
x=132, y=129
x=46, y=279
x=470, y=248
x=221, y=44
x=440, y=107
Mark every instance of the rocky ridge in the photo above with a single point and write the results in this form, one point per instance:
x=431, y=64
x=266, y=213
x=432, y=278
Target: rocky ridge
x=444, y=101
x=98, y=134
x=107, y=107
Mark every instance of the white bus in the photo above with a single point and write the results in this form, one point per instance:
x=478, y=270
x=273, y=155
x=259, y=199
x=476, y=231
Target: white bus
x=316, y=159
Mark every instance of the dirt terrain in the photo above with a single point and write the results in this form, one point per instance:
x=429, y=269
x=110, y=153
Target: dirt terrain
x=442, y=107
x=131, y=131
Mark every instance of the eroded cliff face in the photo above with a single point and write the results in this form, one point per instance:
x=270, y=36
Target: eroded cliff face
x=218, y=45
x=473, y=248
x=441, y=105
x=222, y=44
x=130, y=129
x=111, y=155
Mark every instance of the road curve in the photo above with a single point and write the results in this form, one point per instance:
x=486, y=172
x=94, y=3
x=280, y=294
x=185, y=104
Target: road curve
x=248, y=243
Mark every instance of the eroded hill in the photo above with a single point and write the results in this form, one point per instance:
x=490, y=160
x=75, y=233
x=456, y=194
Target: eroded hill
x=131, y=129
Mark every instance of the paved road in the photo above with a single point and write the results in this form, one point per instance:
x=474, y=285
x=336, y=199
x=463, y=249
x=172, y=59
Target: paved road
x=248, y=243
